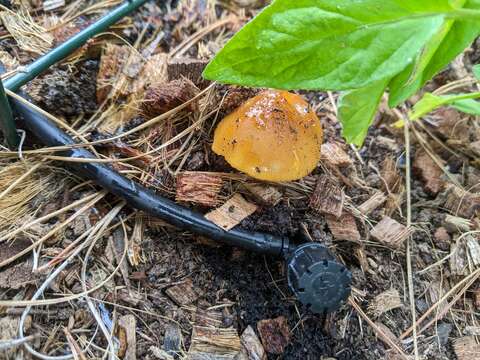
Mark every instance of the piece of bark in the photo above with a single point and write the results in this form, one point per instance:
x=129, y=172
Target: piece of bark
x=183, y=293
x=266, y=194
x=189, y=68
x=466, y=348
x=160, y=98
x=232, y=212
x=213, y=344
x=462, y=203
x=332, y=154
x=111, y=63
x=386, y=301
x=373, y=203
x=449, y=124
x=327, y=197
x=391, y=233
x=429, y=171
x=343, y=227
x=442, y=238
x=458, y=259
x=208, y=318
x=172, y=340
x=198, y=188
x=129, y=324
x=473, y=249
x=251, y=345
x=275, y=334
x=390, y=175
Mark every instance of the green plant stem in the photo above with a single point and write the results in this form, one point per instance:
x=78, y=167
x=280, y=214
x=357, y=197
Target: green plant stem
x=463, y=14
x=474, y=95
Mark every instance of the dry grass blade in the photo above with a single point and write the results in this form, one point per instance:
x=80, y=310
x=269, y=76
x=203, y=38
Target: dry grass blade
x=465, y=282
x=54, y=230
x=20, y=185
x=47, y=217
x=28, y=35
x=187, y=43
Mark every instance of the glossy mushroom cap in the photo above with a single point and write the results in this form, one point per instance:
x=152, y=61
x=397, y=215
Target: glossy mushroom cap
x=273, y=136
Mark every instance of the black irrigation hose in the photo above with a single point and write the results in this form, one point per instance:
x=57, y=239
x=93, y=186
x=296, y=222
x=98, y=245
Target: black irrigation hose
x=316, y=278
x=140, y=197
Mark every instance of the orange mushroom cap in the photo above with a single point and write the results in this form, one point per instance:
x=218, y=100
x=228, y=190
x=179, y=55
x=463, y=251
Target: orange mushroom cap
x=273, y=136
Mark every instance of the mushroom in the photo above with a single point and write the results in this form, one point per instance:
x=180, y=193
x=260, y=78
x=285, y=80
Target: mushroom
x=273, y=136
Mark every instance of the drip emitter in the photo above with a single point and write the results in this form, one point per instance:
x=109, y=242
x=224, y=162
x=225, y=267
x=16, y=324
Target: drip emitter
x=315, y=277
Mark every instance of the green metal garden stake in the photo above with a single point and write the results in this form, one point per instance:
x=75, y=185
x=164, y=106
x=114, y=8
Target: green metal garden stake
x=7, y=122
x=62, y=51
x=42, y=64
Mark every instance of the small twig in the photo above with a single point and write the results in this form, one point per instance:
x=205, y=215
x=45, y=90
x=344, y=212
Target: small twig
x=408, y=184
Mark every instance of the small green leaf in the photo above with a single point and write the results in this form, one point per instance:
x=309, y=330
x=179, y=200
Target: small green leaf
x=476, y=71
x=468, y=106
x=430, y=102
x=328, y=44
x=356, y=110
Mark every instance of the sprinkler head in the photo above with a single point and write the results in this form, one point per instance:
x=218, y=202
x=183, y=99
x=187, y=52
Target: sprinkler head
x=319, y=282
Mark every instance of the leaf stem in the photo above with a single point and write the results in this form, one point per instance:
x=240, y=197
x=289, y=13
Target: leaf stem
x=463, y=14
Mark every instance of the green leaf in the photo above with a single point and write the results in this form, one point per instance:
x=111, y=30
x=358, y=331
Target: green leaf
x=430, y=102
x=356, y=110
x=441, y=50
x=476, y=71
x=468, y=106
x=328, y=44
